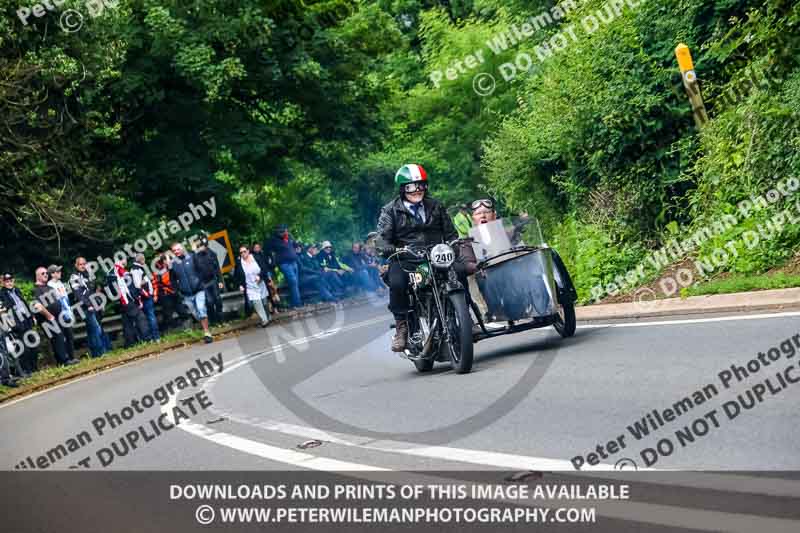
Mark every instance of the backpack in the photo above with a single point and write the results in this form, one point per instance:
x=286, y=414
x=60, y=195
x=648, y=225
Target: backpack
x=111, y=283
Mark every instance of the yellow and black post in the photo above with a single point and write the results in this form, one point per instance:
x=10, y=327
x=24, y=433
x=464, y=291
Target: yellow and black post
x=689, y=76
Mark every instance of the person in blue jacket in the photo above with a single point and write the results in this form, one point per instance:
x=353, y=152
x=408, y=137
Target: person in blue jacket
x=283, y=247
x=187, y=281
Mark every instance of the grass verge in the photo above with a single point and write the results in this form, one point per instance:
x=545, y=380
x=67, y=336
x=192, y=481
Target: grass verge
x=52, y=375
x=743, y=283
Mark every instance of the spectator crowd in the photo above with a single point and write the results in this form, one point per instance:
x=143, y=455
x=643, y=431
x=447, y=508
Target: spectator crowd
x=181, y=284
x=309, y=271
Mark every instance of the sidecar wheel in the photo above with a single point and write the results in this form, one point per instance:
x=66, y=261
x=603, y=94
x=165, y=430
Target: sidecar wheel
x=565, y=321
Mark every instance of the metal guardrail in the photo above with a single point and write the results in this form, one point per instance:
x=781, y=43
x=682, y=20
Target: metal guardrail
x=232, y=302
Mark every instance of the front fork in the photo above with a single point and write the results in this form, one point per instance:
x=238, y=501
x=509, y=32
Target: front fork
x=452, y=285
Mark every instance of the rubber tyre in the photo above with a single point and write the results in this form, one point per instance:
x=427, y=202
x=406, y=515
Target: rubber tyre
x=566, y=328
x=569, y=288
x=457, y=304
x=424, y=365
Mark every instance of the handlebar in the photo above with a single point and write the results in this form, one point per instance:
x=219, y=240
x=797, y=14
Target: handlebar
x=415, y=251
x=460, y=240
x=420, y=251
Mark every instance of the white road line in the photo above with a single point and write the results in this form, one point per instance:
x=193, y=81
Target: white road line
x=235, y=363
x=692, y=320
x=729, y=483
x=690, y=479
x=260, y=449
x=239, y=361
x=628, y=510
x=273, y=453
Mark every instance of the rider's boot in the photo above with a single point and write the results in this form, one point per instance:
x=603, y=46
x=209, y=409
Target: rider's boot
x=401, y=336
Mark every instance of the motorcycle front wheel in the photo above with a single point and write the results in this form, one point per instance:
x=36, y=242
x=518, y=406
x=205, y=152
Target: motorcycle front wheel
x=459, y=324
x=418, y=323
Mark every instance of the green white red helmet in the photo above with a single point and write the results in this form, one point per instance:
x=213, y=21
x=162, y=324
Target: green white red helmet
x=410, y=174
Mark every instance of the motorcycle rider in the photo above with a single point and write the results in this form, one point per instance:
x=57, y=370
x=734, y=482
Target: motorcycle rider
x=411, y=218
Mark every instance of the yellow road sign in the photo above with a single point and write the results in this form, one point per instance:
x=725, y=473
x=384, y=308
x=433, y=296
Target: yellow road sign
x=220, y=244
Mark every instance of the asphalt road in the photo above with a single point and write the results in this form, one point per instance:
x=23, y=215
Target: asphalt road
x=534, y=402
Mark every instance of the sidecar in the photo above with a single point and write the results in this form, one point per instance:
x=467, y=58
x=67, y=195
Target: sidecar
x=521, y=283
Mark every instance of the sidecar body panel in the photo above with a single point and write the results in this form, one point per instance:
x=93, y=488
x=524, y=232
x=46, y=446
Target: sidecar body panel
x=519, y=286
x=516, y=273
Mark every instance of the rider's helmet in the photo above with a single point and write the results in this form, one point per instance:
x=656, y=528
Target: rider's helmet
x=410, y=173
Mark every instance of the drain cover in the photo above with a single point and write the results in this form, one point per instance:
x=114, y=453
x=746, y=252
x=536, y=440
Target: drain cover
x=524, y=476
x=309, y=444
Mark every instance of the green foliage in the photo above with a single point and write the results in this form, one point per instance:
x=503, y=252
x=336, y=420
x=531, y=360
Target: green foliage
x=752, y=142
x=152, y=105
x=743, y=283
x=592, y=256
x=25, y=287
x=300, y=111
x=758, y=242
x=603, y=134
x=595, y=130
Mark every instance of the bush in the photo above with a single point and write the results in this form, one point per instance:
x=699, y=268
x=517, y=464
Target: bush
x=592, y=256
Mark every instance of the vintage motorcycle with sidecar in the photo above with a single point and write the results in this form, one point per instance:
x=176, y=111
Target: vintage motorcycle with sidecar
x=520, y=283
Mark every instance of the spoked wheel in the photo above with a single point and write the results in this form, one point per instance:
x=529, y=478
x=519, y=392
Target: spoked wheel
x=421, y=325
x=459, y=325
x=565, y=323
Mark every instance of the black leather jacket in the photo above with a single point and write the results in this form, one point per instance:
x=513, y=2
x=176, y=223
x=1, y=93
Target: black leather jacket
x=21, y=323
x=397, y=226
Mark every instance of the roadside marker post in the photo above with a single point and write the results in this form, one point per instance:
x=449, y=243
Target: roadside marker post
x=689, y=76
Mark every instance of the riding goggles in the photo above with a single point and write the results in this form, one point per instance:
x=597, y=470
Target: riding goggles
x=486, y=202
x=415, y=187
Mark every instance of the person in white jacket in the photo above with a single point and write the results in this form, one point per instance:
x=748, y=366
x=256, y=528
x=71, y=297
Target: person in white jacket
x=144, y=286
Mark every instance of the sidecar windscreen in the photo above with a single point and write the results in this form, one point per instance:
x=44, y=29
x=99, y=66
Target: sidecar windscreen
x=504, y=234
